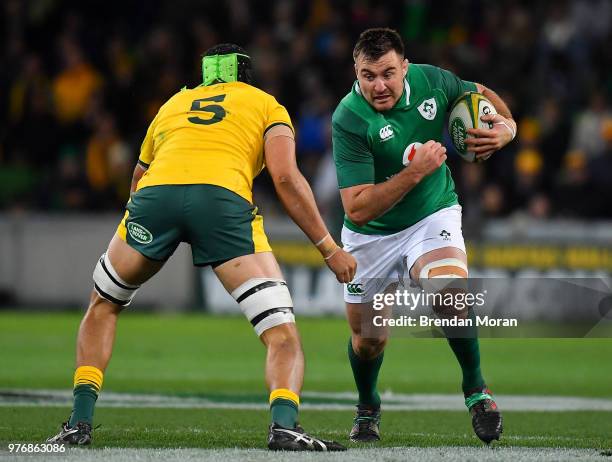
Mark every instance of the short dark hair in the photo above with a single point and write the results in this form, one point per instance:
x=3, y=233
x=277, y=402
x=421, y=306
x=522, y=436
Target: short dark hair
x=245, y=71
x=225, y=49
x=374, y=43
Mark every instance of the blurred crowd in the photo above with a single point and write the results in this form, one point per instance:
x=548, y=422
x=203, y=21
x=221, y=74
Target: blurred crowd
x=81, y=81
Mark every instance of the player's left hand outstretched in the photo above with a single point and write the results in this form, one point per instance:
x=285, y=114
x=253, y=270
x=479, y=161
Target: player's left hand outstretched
x=343, y=264
x=484, y=141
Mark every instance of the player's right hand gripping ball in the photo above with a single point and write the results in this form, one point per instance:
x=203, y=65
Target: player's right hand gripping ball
x=465, y=113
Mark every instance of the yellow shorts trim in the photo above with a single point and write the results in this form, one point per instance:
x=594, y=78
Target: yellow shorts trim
x=121, y=229
x=260, y=240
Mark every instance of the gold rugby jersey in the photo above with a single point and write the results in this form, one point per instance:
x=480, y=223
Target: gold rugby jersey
x=211, y=135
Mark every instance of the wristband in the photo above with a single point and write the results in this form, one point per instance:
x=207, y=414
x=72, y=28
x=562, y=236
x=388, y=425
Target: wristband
x=332, y=254
x=326, y=245
x=322, y=240
x=512, y=132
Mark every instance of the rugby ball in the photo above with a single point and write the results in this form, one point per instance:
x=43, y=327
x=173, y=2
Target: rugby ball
x=465, y=113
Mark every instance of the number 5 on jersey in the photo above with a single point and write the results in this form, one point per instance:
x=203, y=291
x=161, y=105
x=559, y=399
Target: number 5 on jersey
x=217, y=111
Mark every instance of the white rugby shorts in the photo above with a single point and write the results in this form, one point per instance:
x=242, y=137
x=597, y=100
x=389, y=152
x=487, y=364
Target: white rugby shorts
x=386, y=259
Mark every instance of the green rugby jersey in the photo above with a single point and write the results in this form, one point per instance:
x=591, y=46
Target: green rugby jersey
x=369, y=146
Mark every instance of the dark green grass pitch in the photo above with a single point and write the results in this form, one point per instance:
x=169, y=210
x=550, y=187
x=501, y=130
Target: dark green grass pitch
x=211, y=428
x=221, y=357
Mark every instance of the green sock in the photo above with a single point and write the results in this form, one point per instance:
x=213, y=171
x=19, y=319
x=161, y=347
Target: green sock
x=284, y=412
x=365, y=372
x=467, y=352
x=464, y=343
x=85, y=397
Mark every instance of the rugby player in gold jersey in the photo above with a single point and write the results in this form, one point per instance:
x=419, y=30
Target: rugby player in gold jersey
x=193, y=183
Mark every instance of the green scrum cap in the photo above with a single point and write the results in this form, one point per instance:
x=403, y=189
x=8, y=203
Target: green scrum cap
x=224, y=68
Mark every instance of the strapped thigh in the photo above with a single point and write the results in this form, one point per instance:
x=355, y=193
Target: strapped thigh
x=110, y=286
x=266, y=302
x=438, y=275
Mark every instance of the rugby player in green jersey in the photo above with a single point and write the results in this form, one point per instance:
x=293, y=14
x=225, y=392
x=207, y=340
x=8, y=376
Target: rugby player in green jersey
x=402, y=217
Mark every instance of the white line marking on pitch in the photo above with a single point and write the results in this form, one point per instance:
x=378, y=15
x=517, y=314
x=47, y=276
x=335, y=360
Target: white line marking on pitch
x=444, y=453
x=336, y=401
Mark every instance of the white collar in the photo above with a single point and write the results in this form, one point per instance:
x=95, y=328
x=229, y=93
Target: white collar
x=407, y=88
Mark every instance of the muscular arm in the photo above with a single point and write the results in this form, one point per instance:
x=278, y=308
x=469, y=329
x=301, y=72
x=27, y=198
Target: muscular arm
x=366, y=202
x=296, y=196
x=500, y=106
x=291, y=187
x=139, y=170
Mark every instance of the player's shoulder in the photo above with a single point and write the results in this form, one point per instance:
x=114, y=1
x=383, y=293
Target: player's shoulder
x=174, y=98
x=352, y=113
x=427, y=69
x=434, y=75
x=430, y=74
x=177, y=101
x=251, y=91
x=252, y=95
x=258, y=100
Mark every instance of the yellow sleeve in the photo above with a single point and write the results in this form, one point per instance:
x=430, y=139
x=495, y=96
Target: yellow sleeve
x=146, y=149
x=277, y=114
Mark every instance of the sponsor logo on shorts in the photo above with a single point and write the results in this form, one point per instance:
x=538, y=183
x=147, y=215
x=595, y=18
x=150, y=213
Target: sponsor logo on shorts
x=386, y=133
x=139, y=233
x=445, y=235
x=428, y=109
x=354, y=289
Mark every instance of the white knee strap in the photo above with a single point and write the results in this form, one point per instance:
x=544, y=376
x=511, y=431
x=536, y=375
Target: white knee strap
x=110, y=286
x=429, y=284
x=266, y=302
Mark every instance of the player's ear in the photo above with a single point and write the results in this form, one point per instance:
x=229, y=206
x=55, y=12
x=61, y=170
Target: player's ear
x=405, y=66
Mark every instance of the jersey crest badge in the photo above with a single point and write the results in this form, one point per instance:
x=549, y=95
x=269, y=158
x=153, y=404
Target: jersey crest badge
x=428, y=108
